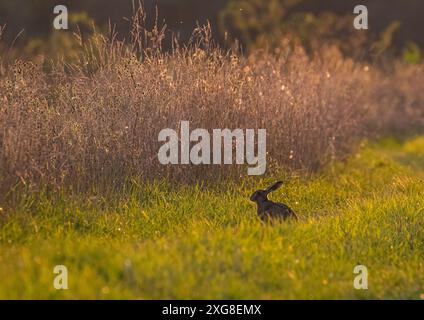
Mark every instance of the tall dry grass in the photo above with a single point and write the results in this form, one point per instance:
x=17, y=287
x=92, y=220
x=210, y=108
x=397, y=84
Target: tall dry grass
x=97, y=121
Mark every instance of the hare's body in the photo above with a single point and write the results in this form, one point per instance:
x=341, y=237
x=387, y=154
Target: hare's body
x=274, y=210
x=269, y=210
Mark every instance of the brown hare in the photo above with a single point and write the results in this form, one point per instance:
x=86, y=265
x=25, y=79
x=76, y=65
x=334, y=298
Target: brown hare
x=269, y=210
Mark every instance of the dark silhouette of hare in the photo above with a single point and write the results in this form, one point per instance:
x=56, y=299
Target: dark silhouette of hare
x=269, y=210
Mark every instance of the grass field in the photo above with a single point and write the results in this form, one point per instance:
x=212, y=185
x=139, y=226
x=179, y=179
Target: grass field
x=160, y=242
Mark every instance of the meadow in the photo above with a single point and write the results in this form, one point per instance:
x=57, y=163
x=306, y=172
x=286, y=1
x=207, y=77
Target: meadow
x=80, y=184
x=155, y=242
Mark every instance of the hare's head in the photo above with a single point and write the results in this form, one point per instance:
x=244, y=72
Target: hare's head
x=262, y=195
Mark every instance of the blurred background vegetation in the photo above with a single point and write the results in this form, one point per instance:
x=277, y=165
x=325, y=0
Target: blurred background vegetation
x=395, y=25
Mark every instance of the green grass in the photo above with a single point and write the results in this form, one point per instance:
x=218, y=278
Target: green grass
x=196, y=242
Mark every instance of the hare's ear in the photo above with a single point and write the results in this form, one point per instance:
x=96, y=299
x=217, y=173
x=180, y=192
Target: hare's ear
x=274, y=187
